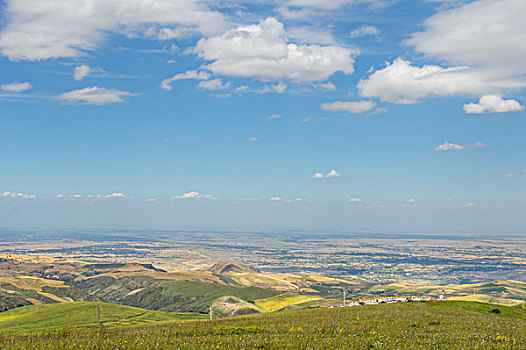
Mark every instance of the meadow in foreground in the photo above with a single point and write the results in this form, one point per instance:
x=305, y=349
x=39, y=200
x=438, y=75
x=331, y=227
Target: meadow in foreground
x=432, y=325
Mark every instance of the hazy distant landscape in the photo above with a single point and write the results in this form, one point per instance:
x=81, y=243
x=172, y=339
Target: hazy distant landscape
x=377, y=257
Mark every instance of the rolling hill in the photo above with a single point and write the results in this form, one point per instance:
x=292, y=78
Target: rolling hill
x=416, y=325
x=62, y=316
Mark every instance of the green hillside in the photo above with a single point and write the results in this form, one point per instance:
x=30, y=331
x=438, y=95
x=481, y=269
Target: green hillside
x=415, y=325
x=82, y=315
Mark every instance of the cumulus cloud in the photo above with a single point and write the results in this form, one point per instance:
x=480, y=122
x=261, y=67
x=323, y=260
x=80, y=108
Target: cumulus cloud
x=56, y=28
x=402, y=82
x=488, y=36
x=191, y=74
x=365, y=30
x=350, y=107
x=18, y=195
x=479, y=144
x=94, y=96
x=333, y=174
x=214, y=84
x=81, y=71
x=16, y=87
x=194, y=195
x=493, y=104
x=262, y=51
x=447, y=146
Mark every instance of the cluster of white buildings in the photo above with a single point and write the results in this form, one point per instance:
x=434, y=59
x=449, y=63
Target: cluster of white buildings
x=382, y=300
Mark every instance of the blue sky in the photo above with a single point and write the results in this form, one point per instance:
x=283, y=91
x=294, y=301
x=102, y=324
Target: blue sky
x=260, y=115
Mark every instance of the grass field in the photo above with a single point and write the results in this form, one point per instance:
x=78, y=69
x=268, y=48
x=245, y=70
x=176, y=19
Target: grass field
x=82, y=315
x=415, y=325
x=283, y=301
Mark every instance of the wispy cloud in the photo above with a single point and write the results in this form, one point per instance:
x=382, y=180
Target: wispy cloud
x=16, y=87
x=364, y=31
x=349, y=106
x=94, y=96
x=191, y=74
x=479, y=144
x=214, y=84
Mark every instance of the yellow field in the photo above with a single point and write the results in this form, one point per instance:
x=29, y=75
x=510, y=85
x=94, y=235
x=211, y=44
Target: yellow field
x=284, y=300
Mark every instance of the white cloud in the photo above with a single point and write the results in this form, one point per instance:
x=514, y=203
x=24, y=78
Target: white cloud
x=511, y=175
x=94, y=96
x=150, y=200
x=355, y=200
x=350, y=107
x=333, y=174
x=191, y=74
x=18, y=195
x=493, y=104
x=16, y=87
x=36, y=30
x=194, y=195
x=328, y=86
x=214, y=84
x=66, y=196
x=487, y=35
x=81, y=71
x=253, y=138
x=278, y=88
x=411, y=200
x=116, y=195
x=275, y=199
x=484, y=176
x=470, y=204
x=365, y=30
x=313, y=120
x=401, y=82
x=479, y=144
x=274, y=116
x=446, y=146
x=262, y=51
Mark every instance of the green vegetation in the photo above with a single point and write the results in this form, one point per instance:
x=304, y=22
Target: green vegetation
x=82, y=315
x=429, y=325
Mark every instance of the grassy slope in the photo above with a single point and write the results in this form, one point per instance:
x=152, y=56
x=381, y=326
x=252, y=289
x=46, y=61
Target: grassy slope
x=81, y=315
x=283, y=301
x=432, y=325
x=169, y=295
